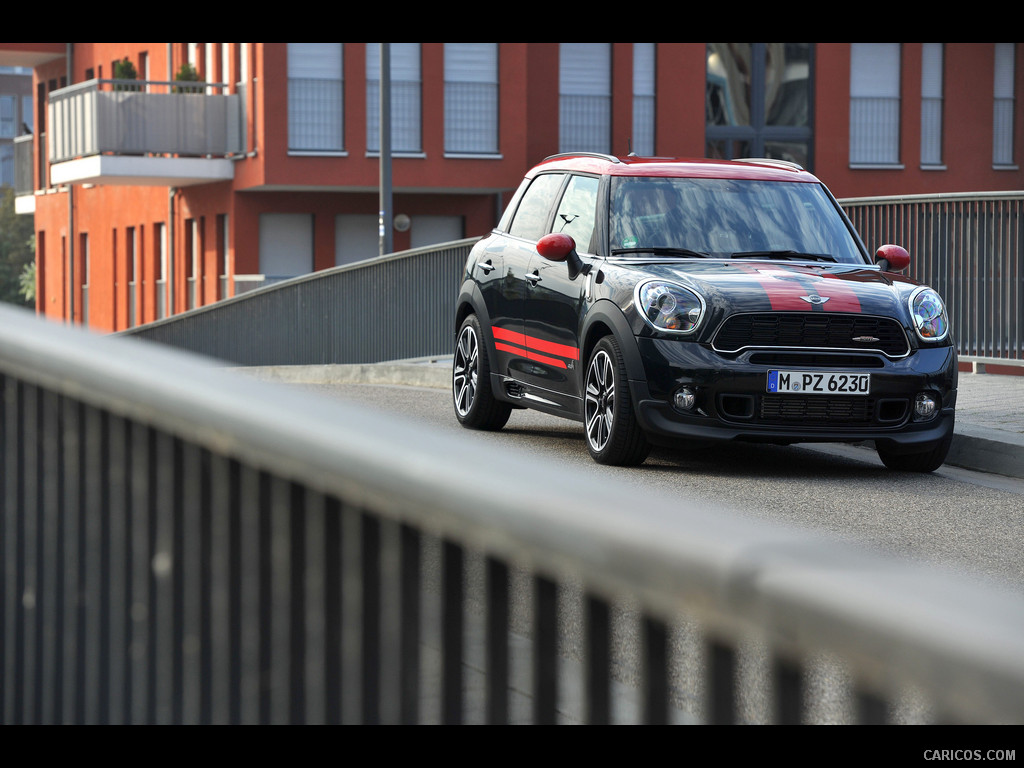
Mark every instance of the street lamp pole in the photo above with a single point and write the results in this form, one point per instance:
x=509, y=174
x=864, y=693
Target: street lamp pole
x=384, y=219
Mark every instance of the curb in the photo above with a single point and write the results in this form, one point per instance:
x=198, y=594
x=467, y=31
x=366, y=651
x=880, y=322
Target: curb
x=429, y=373
x=974, y=448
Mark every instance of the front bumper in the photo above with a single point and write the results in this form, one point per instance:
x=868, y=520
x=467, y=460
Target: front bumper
x=732, y=402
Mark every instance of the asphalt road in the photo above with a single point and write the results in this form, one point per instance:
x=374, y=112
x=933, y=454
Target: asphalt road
x=965, y=521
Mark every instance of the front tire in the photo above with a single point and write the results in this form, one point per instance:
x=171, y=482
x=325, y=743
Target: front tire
x=475, y=404
x=613, y=434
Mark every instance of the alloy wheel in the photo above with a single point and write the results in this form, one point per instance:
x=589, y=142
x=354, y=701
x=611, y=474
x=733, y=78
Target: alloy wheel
x=466, y=369
x=600, y=400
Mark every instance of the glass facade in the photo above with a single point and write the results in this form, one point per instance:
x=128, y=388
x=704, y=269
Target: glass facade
x=758, y=101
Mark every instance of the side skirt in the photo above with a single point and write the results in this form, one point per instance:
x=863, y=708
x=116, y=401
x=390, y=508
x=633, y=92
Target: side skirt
x=536, y=398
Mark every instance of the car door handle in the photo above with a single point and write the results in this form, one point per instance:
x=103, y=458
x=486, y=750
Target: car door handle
x=533, y=277
x=486, y=266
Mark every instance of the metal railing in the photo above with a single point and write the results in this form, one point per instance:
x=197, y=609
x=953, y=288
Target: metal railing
x=390, y=308
x=23, y=165
x=185, y=544
x=136, y=117
x=970, y=248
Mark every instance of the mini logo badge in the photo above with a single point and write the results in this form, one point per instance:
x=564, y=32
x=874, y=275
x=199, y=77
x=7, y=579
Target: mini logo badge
x=865, y=339
x=815, y=299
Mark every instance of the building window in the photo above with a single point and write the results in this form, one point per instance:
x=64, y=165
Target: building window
x=315, y=97
x=83, y=243
x=131, y=245
x=471, y=98
x=222, y=256
x=585, y=97
x=192, y=263
x=874, y=104
x=8, y=116
x=160, y=250
x=1002, y=119
x=758, y=101
x=406, y=97
x=643, y=98
x=6, y=165
x=931, y=104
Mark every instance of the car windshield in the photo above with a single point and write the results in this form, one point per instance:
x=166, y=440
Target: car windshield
x=727, y=218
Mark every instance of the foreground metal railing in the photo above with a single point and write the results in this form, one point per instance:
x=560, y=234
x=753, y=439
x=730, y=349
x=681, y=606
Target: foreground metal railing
x=970, y=248
x=391, y=308
x=185, y=544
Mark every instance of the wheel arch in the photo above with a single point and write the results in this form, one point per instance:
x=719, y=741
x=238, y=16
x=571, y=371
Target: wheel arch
x=606, y=319
x=471, y=302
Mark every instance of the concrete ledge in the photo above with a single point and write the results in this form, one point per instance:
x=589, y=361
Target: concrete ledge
x=436, y=375
x=974, y=448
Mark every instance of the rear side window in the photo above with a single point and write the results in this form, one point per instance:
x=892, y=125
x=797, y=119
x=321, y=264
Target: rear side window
x=531, y=219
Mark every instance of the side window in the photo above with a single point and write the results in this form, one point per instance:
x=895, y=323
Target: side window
x=578, y=211
x=531, y=217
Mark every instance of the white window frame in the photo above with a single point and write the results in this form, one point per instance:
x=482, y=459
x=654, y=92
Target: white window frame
x=471, y=99
x=585, y=97
x=875, y=105
x=932, y=61
x=406, y=99
x=1003, y=106
x=316, y=99
x=644, y=71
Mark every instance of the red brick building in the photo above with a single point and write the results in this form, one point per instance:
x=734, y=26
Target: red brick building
x=151, y=196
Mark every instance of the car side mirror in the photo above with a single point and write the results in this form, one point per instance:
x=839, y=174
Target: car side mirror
x=559, y=246
x=892, y=258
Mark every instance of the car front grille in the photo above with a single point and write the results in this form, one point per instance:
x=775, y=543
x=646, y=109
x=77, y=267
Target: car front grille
x=818, y=330
x=812, y=412
x=833, y=410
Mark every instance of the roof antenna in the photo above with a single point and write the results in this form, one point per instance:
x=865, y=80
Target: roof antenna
x=629, y=146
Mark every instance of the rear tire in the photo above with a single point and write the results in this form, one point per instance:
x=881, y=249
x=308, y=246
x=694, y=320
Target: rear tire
x=923, y=461
x=613, y=434
x=474, y=402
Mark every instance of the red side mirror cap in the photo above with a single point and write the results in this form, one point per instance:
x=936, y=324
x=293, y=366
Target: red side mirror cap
x=556, y=246
x=892, y=258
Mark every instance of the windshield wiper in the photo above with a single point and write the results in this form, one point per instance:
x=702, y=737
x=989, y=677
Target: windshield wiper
x=662, y=250
x=786, y=254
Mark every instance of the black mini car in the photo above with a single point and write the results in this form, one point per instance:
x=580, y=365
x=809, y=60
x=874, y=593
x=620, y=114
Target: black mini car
x=667, y=301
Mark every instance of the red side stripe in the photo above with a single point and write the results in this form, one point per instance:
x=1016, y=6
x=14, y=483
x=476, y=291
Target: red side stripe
x=530, y=355
x=532, y=342
x=515, y=338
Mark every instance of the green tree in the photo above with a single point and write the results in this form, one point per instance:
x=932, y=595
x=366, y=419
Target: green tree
x=17, y=250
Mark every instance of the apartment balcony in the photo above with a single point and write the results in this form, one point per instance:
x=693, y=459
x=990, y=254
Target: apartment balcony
x=148, y=133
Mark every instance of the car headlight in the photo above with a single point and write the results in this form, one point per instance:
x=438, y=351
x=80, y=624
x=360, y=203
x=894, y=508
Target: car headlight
x=669, y=307
x=929, y=315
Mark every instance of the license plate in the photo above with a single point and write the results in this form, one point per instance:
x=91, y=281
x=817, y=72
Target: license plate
x=818, y=383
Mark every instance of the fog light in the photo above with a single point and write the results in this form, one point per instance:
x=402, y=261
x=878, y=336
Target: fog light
x=684, y=398
x=925, y=406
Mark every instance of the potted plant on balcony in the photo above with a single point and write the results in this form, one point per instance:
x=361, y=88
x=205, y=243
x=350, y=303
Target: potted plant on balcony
x=187, y=73
x=125, y=70
x=129, y=120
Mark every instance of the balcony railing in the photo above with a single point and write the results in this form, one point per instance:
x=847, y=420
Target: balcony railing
x=151, y=118
x=23, y=165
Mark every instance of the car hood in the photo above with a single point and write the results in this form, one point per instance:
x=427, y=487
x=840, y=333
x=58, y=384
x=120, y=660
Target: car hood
x=765, y=286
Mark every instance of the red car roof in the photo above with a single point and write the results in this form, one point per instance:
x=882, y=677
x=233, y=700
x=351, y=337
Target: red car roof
x=760, y=168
